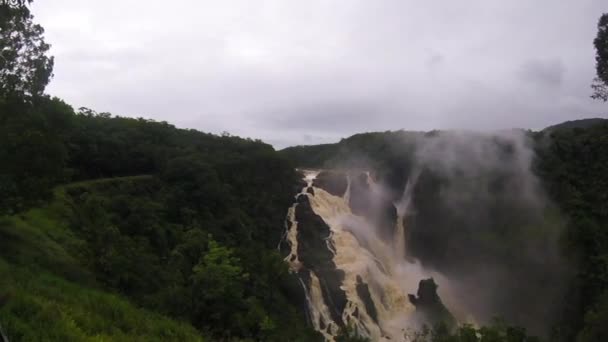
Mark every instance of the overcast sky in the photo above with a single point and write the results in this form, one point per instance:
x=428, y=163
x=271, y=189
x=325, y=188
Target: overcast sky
x=307, y=72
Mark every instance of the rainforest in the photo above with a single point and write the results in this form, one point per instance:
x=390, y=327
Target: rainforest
x=121, y=228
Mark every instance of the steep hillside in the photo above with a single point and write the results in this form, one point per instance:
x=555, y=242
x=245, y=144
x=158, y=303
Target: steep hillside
x=47, y=293
x=178, y=222
x=582, y=123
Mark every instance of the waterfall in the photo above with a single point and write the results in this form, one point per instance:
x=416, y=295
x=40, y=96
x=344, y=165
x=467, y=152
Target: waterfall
x=377, y=276
x=317, y=309
x=403, y=206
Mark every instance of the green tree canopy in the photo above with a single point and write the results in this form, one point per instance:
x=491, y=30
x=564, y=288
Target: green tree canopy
x=600, y=83
x=25, y=67
x=218, y=282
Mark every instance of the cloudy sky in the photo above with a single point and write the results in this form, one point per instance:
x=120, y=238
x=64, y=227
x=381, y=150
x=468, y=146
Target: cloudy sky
x=305, y=72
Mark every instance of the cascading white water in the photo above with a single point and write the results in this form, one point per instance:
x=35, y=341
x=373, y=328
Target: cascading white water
x=360, y=253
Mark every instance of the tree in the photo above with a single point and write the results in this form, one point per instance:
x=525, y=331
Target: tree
x=600, y=83
x=25, y=68
x=218, y=285
x=595, y=322
x=32, y=150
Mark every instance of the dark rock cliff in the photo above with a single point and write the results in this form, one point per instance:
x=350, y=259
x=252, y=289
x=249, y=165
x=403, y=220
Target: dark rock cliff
x=334, y=182
x=429, y=307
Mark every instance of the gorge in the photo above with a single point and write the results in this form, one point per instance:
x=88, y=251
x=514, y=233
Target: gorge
x=362, y=240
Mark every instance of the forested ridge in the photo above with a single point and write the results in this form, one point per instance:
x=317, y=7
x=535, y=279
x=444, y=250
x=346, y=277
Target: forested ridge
x=180, y=222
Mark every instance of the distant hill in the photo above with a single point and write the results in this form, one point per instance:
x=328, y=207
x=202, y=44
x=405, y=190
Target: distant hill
x=372, y=148
x=582, y=123
x=363, y=149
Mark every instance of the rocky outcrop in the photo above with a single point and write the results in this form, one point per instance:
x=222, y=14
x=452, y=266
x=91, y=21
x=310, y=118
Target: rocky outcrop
x=334, y=182
x=429, y=307
x=366, y=298
x=299, y=184
x=284, y=247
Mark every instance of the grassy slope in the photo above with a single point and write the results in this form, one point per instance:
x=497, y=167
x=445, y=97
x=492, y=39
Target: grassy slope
x=46, y=294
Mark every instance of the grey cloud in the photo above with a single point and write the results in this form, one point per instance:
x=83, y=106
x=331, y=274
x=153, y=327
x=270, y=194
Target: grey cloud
x=308, y=138
x=548, y=73
x=341, y=117
x=435, y=59
x=279, y=70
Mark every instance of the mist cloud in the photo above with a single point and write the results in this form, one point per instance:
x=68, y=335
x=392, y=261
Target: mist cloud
x=495, y=232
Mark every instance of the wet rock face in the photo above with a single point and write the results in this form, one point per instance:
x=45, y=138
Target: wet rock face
x=296, y=293
x=334, y=182
x=316, y=256
x=366, y=298
x=299, y=185
x=386, y=218
x=428, y=305
x=284, y=247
